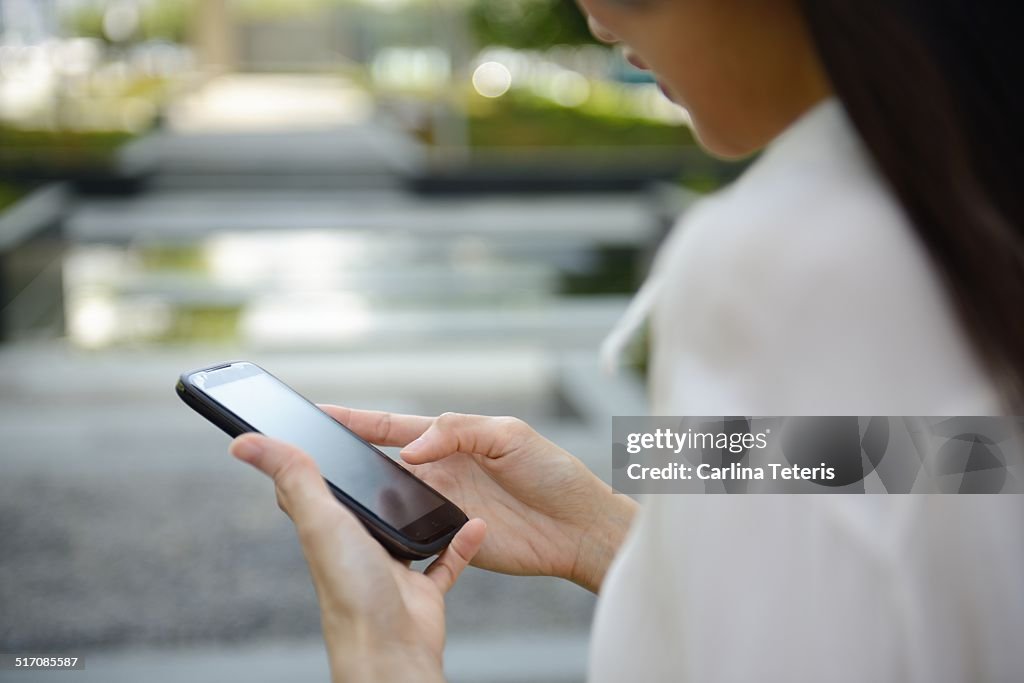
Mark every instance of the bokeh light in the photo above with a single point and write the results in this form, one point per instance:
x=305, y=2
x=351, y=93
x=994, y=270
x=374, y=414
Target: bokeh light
x=492, y=79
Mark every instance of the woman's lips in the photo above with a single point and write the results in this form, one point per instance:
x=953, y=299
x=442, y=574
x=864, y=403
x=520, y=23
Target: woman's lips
x=665, y=91
x=633, y=59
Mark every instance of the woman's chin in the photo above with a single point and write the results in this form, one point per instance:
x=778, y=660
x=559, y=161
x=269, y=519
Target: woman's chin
x=720, y=146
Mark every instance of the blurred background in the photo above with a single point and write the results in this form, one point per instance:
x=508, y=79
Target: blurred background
x=408, y=205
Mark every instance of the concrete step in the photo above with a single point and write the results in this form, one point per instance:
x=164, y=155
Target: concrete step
x=343, y=320
x=383, y=283
x=503, y=220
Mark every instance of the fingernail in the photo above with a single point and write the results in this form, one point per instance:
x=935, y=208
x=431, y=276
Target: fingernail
x=414, y=446
x=246, y=449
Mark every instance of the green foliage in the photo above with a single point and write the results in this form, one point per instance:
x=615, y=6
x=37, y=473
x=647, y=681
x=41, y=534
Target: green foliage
x=165, y=20
x=518, y=119
x=615, y=270
x=9, y=194
x=86, y=22
x=60, y=149
x=528, y=24
x=210, y=323
x=702, y=181
x=167, y=258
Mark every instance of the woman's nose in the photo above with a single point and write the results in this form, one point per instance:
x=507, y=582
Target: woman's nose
x=600, y=32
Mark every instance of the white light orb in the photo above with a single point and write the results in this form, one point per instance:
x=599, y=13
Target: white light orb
x=492, y=79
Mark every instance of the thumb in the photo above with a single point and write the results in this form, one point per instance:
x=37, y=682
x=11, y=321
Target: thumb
x=445, y=570
x=301, y=491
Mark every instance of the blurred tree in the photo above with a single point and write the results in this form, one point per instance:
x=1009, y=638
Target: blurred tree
x=167, y=20
x=528, y=24
x=158, y=19
x=85, y=21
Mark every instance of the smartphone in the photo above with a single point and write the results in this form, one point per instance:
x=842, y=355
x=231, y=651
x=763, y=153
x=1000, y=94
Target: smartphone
x=409, y=518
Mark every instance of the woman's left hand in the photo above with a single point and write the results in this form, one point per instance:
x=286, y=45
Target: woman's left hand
x=382, y=621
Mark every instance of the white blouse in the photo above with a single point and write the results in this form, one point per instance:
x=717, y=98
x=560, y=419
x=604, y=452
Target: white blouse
x=802, y=289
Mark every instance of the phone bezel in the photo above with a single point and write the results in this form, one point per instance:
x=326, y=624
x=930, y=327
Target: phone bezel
x=447, y=518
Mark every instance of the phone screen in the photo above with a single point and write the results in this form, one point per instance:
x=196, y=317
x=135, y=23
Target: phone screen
x=368, y=477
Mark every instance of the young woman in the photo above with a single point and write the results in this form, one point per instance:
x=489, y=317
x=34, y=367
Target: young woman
x=870, y=262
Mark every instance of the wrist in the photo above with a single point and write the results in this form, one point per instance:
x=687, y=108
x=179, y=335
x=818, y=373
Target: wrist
x=356, y=654
x=602, y=538
x=394, y=667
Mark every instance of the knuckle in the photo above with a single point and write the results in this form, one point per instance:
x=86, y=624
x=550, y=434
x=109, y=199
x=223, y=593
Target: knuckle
x=293, y=472
x=513, y=428
x=448, y=420
x=383, y=428
x=450, y=573
x=512, y=423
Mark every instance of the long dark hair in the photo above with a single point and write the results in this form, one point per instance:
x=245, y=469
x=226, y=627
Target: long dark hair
x=934, y=89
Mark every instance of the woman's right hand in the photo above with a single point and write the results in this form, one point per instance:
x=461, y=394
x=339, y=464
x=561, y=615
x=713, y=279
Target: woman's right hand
x=547, y=514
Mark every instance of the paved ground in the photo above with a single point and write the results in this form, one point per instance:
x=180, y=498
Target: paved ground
x=543, y=658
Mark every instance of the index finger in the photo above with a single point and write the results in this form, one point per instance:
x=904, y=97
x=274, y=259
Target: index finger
x=380, y=427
